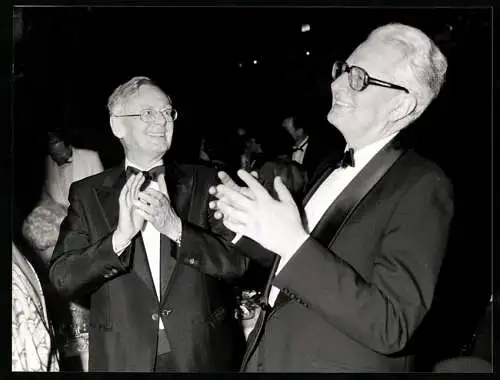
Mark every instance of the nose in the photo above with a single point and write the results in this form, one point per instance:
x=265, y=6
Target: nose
x=341, y=83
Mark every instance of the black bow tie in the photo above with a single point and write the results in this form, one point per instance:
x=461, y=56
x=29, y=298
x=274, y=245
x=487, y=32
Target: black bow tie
x=347, y=159
x=150, y=175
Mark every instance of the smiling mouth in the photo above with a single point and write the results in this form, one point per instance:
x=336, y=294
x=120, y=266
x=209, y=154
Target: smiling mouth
x=342, y=104
x=157, y=134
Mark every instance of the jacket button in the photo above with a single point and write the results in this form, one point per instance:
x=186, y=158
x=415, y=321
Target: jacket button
x=154, y=316
x=166, y=312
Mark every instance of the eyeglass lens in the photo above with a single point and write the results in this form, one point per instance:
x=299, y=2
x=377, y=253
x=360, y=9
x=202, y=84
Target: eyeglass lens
x=150, y=115
x=357, y=78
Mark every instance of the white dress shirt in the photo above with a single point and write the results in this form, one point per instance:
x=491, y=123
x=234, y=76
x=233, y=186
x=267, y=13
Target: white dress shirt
x=329, y=190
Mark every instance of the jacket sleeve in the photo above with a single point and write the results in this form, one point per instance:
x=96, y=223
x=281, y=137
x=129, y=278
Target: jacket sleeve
x=79, y=264
x=210, y=250
x=381, y=314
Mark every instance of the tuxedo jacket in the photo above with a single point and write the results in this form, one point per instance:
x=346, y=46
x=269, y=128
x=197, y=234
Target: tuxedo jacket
x=352, y=298
x=197, y=301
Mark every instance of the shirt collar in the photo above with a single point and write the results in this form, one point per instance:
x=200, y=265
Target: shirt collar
x=154, y=164
x=365, y=154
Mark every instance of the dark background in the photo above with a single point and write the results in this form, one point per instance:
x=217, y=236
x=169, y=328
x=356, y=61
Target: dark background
x=70, y=59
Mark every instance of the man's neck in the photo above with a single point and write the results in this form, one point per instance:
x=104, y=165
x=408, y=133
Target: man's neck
x=143, y=163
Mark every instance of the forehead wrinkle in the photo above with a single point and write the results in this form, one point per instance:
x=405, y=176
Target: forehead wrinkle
x=141, y=99
x=380, y=60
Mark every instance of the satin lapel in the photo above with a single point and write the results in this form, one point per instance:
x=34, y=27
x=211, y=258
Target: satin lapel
x=108, y=195
x=179, y=187
x=339, y=211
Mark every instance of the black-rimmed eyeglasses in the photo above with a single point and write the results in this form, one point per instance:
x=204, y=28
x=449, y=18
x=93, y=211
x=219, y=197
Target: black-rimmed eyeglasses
x=359, y=78
x=150, y=115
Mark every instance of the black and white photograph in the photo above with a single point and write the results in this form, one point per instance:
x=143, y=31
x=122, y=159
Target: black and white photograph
x=263, y=189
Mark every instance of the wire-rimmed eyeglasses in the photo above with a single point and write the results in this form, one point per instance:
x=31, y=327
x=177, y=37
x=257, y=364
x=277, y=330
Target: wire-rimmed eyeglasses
x=150, y=115
x=359, y=78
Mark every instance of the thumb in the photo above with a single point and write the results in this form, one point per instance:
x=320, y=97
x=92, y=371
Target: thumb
x=282, y=191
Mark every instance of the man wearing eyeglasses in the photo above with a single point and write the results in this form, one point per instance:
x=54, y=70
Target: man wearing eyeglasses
x=356, y=278
x=140, y=241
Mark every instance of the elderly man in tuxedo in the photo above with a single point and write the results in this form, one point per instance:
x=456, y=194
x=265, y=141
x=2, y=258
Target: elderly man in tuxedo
x=139, y=239
x=356, y=277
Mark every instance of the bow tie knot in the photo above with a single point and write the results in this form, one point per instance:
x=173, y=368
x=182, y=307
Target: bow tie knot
x=149, y=175
x=347, y=159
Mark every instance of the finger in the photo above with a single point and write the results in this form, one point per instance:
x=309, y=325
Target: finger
x=153, y=193
x=284, y=194
x=126, y=188
x=163, y=185
x=235, y=227
x=247, y=192
x=148, y=199
x=254, y=185
x=136, y=185
x=124, y=193
x=212, y=190
x=233, y=197
x=254, y=174
x=147, y=217
x=218, y=215
x=232, y=213
x=227, y=180
x=145, y=208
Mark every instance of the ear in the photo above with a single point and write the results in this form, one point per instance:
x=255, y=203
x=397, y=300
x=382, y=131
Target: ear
x=402, y=106
x=116, y=127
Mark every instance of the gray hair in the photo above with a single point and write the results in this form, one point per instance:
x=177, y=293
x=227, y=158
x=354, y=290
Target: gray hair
x=126, y=90
x=424, y=59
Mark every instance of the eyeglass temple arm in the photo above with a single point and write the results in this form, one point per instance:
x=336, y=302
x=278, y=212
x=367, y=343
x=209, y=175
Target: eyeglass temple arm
x=378, y=82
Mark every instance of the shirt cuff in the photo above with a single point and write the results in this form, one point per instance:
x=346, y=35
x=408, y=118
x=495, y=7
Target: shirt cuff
x=285, y=259
x=118, y=248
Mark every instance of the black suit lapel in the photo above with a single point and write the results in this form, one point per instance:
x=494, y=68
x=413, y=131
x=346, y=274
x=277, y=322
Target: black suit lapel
x=108, y=195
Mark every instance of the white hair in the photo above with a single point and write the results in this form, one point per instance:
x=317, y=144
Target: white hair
x=127, y=89
x=424, y=59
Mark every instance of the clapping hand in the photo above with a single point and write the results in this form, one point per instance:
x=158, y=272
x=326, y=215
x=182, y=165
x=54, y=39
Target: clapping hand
x=129, y=221
x=155, y=207
x=252, y=212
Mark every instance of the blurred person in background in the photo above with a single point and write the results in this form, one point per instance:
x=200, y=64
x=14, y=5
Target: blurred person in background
x=65, y=164
x=312, y=142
